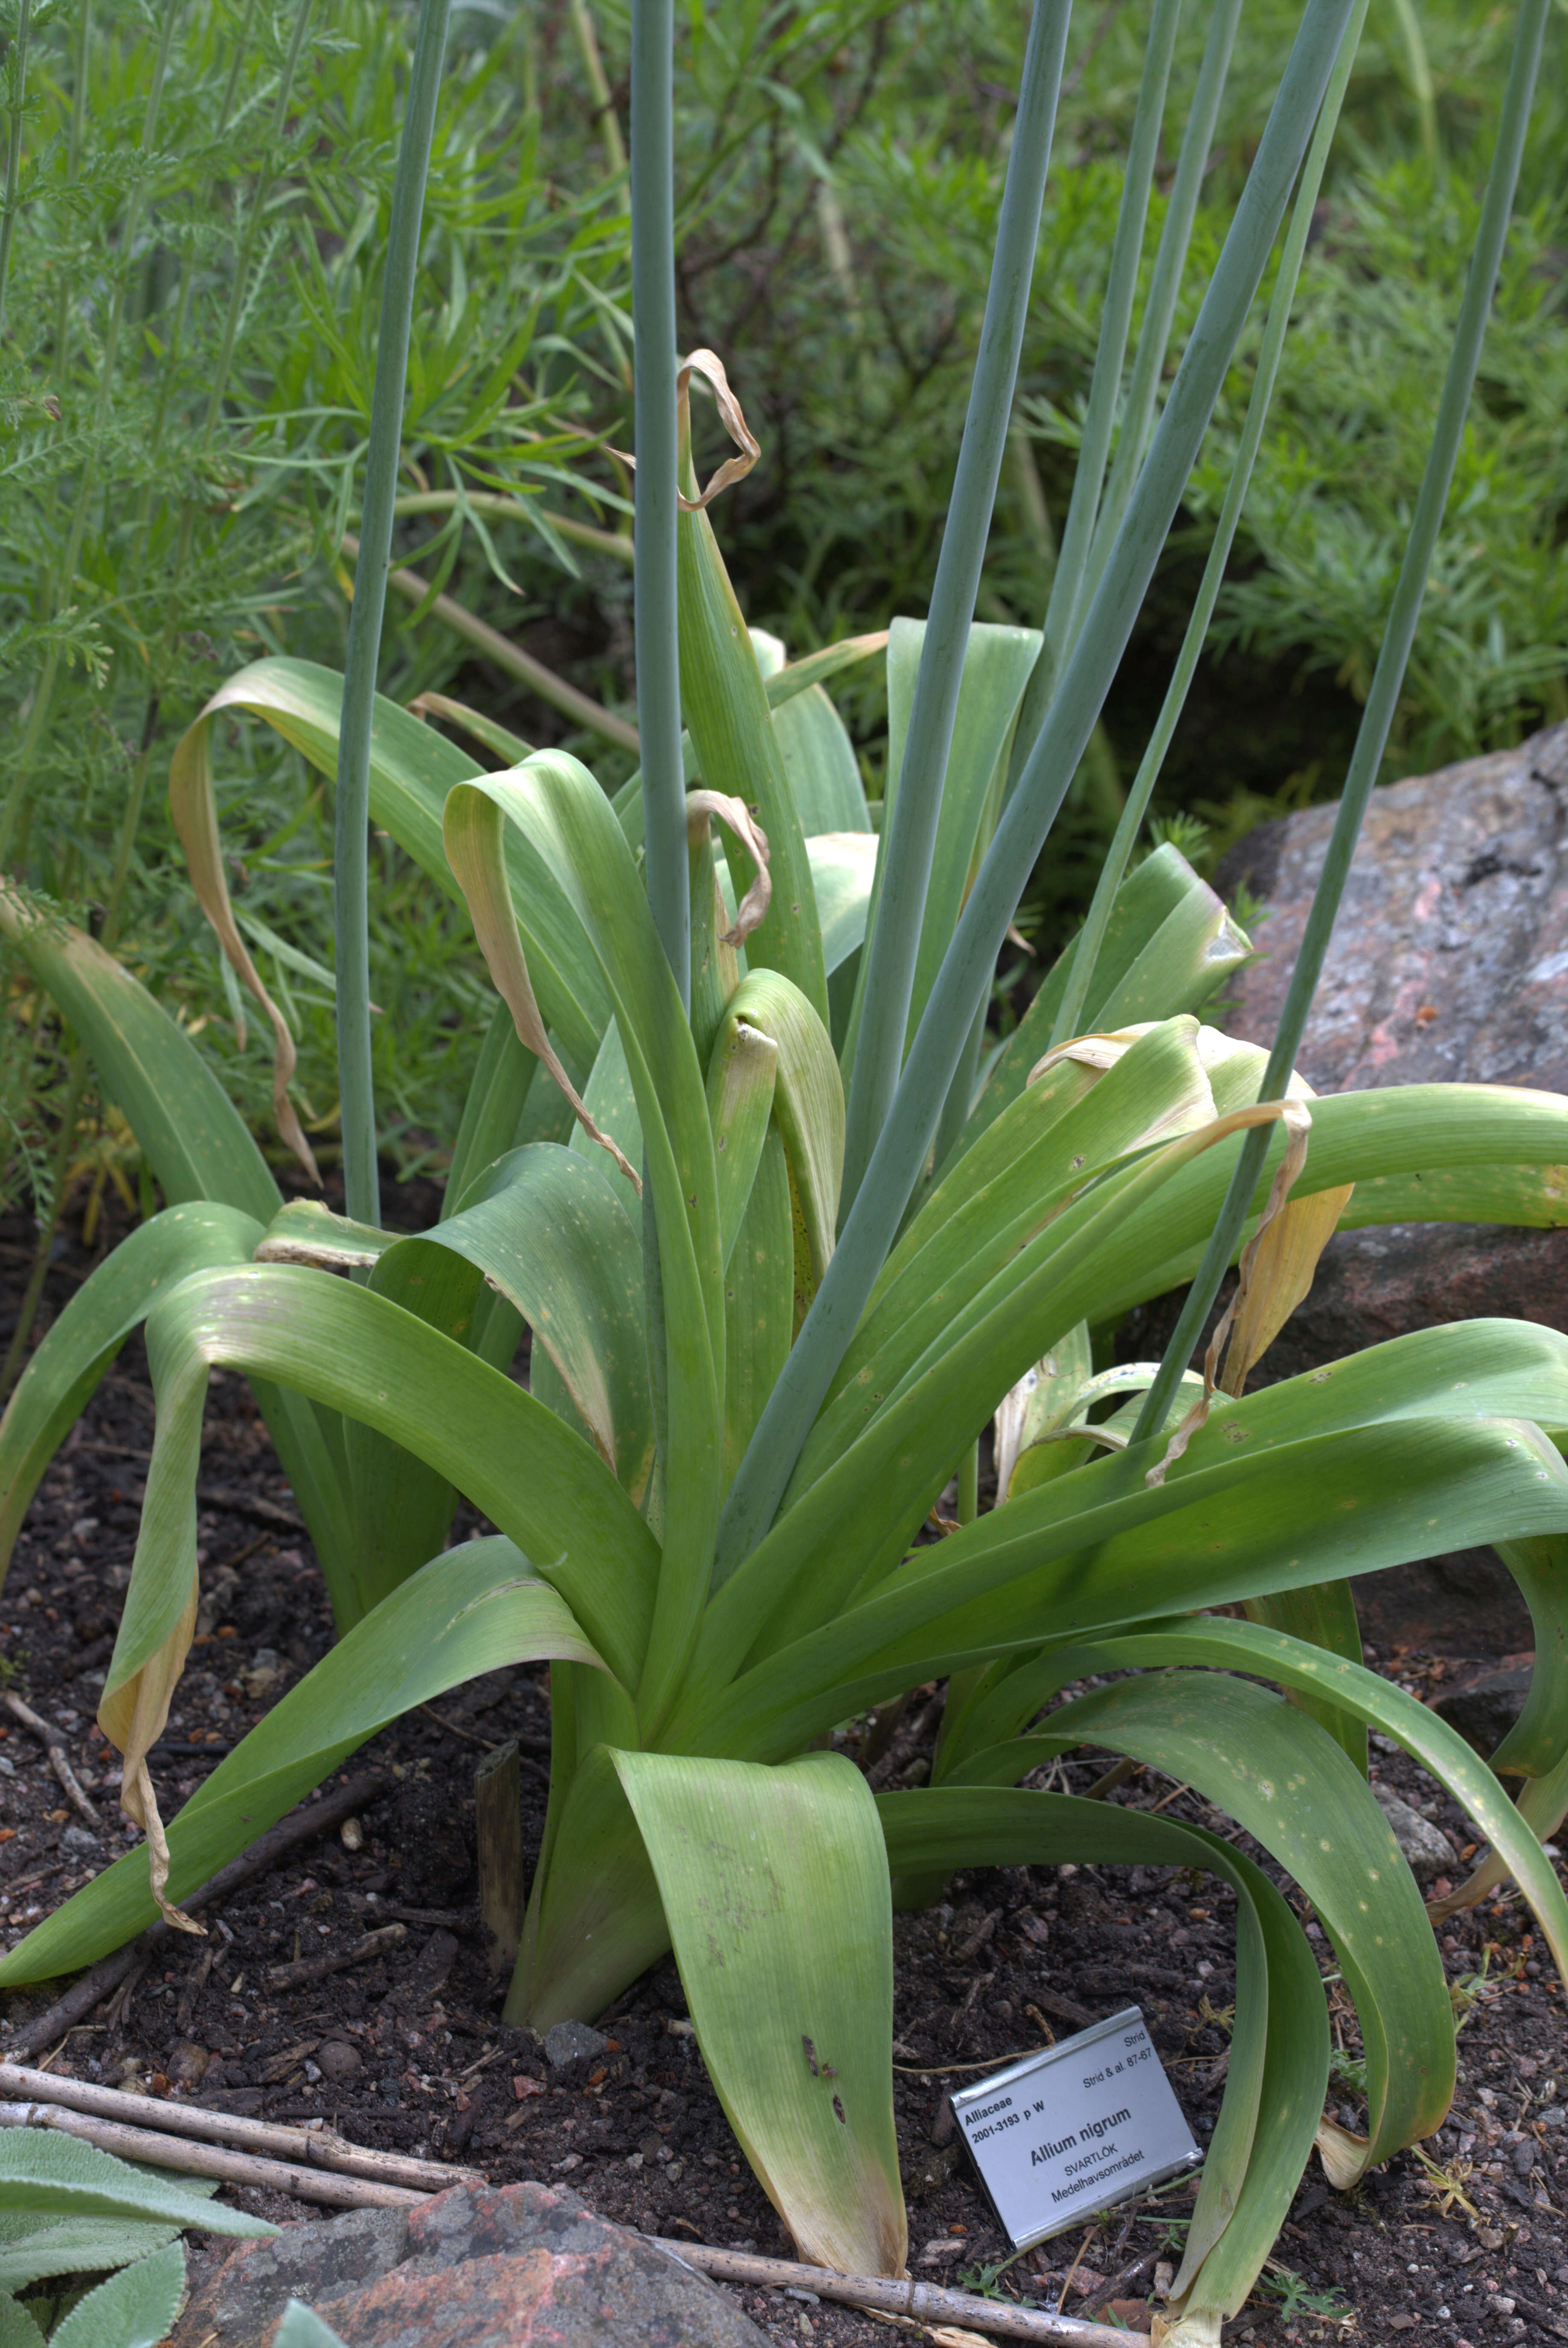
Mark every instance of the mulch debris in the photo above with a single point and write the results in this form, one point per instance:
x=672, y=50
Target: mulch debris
x=405, y=2048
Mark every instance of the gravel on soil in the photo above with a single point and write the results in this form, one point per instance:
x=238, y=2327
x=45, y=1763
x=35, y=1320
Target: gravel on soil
x=1467, y=2242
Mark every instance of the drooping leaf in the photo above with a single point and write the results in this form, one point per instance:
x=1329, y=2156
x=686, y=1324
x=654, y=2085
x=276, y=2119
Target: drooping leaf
x=558, y=807
x=775, y=1887
x=725, y=704
x=1168, y=944
x=1286, y=1781
x=1088, y=1547
x=1279, y=2062
x=412, y=768
x=195, y=1140
x=478, y=1607
x=544, y=1227
x=78, y=1348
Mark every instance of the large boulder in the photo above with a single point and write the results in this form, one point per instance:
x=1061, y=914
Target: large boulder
x=1449, y=965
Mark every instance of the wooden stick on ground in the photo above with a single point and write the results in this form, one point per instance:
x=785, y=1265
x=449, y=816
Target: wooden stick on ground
x=312, y=1969
x=314, y=2148
x=302, y=2179
x=95, y=1986
x=54, y=1745
x=928, y=2303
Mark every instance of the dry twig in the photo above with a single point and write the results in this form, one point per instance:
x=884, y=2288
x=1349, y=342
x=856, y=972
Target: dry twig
x=95, y=1986
x=301, y=2179
x=336, y=1961
x=54, y=1745
x=927, y=2302
x=313, y=2147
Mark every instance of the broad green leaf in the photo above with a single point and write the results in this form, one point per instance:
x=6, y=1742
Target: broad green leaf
x=1087, y=1261
x=357, y=1352
x=134, y=2309
x=595, y=1920
x=1302, y=1669
x=1279, y=2061
x=1089, y=1551
x=759, y=1302
x=741, y=1073
x=402, y=1505
x=568, y=822
x=1438, y=1153
x=195, y=1141
x=78, y=1348
x=997, y=662
x=997, y=665
x=824, y=775
x=496, y=1096
x=613, y=1105
x=1502, y=1193
x=45, y=2172
x=1168, y=944
x=476, y=1608
x=412, y=768
x=1286, y=1781
x=1042, y=1152
x=843, y=866
x=726, y=708
x=775, y=1886
x=809, y=1110
x=546, y=1228
x=1324, y=1614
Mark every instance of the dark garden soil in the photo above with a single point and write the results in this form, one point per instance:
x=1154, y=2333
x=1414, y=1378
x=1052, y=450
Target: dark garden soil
x=408, y=2051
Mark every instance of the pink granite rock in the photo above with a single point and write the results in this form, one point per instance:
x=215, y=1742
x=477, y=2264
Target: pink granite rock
x=530, y=2266
x=516, y=2266
x=1449, y=965
x=1449, y=958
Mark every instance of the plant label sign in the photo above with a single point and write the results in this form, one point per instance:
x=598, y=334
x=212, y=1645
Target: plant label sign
x=1087, y=2123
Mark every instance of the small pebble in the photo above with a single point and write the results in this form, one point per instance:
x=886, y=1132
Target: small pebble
x=338, y=2059
x=186, y=2063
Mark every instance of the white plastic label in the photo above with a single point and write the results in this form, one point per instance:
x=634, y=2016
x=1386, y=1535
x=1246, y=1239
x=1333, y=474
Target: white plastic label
x=1086, y=2123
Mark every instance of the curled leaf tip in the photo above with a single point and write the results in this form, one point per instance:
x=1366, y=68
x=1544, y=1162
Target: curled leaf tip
x=701, y=806
x=1254, y=1305
x=710, y=367
x=140, y=1802
x=195, y=814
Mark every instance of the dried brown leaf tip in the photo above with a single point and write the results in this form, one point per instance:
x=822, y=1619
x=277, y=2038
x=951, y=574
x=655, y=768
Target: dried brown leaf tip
x=701, y=806
x=709, y=366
